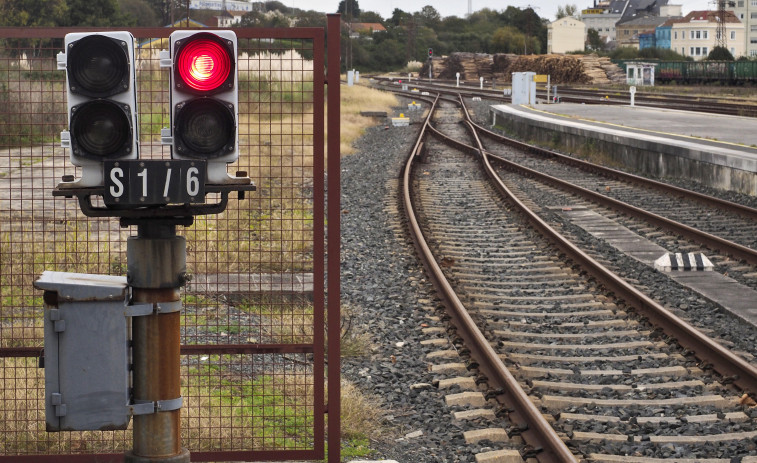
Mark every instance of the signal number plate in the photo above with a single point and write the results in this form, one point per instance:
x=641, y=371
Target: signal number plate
x=154, y=182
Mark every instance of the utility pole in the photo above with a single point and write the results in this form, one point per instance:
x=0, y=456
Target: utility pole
x=528, y=28
x=720, y=31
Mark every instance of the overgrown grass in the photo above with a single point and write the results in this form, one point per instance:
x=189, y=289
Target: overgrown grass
x=354, y=100
x=71, y=246
x=264, y=412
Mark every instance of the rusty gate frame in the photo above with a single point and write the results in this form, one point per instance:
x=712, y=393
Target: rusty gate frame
x=326, y=267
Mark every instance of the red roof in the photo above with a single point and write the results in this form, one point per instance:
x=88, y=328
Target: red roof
x=709, y=16
x=367, y=27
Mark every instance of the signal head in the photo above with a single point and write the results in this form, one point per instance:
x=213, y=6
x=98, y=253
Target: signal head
x=102, y=102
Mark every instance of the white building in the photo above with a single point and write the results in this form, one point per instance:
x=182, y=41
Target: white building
x=696, y=34
x=746, y=11
x=601, y=20
x=224, y=5
x=565, y=35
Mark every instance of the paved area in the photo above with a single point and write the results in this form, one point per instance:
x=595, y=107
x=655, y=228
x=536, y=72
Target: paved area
x=716, y=130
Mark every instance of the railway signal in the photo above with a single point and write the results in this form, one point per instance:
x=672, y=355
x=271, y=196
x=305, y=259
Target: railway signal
x=101, y=101
x=430, y=52
x=204, y=100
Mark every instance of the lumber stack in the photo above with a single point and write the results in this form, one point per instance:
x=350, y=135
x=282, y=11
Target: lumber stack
x=601, y=70
x=563, y=69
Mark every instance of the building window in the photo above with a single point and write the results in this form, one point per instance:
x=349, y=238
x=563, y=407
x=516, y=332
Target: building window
x=704, y=51
x=753, y=15
x=705, y=35
x=699, y=34
x=691, y=34
x=733, y=35
x=675, y=35
x=752, y=52
x=692, y=51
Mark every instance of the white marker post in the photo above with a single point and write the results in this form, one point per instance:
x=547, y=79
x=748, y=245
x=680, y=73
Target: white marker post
x=457, y=76
x=632, y=90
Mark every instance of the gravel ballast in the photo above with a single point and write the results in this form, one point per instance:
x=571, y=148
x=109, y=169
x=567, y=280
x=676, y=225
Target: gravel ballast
x=389, y=299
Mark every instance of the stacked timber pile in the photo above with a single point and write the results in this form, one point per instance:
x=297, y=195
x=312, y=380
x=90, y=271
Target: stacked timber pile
x=602, y=70
x=470, y=66
x=563, y=69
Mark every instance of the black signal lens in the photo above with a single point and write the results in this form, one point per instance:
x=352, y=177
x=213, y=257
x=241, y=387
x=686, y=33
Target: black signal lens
x=98, y=66
x=101, y=129
x=205, y=128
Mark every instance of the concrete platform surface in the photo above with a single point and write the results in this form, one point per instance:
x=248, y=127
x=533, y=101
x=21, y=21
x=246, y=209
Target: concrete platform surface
x=710, y=129
x=719, y=151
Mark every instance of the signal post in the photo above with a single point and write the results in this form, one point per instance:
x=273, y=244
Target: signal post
x=143, y=310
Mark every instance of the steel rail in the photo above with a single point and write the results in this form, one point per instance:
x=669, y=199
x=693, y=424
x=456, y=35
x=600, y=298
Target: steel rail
x=714, y=242
x=570, y=95
x=743, y=374
x=734, y=250
x=537, y=431
x=614, y=173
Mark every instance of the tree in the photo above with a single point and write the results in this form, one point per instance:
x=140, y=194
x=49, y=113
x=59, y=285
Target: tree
x=276, y=6
x=399, y=17
x=165, y=9
x=565, y=11
x=720, y=54
x=100, y=13
x=371, y=17
x=595, y=41
x=260, y=19
x=349, y=9
x=33, y=13
x=311, y=19
x=429, y=17
x=507, y=39
x=141, y=12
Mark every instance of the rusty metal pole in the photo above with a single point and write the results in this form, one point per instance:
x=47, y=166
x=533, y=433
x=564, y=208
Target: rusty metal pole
x=156, y=272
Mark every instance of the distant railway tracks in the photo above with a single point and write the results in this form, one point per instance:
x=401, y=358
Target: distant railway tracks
x=591, y=96
x=586, y=364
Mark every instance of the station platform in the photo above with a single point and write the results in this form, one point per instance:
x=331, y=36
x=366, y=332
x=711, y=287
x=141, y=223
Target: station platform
x=717, y=150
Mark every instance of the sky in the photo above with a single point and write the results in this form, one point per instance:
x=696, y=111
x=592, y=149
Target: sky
x=544, y=8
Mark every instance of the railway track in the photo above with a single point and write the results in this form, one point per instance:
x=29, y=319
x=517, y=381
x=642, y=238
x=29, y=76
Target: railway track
x=567, y=94
x=587, y=364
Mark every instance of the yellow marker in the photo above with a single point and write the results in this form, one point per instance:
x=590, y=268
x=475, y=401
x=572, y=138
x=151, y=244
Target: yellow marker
x=402, y=115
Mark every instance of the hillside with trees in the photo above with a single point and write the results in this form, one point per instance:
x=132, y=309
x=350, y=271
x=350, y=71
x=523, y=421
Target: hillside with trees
x=407, y=37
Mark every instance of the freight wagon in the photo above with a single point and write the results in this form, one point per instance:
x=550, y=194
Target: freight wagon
x=705, y=72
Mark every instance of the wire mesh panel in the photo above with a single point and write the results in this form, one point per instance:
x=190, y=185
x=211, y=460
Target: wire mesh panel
x=253, y=311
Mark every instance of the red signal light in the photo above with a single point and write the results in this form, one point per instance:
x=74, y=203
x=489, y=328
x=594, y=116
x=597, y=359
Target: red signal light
x=204, y=65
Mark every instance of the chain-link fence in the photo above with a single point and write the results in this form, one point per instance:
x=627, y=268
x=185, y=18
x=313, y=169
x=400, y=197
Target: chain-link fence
x=253, y=320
